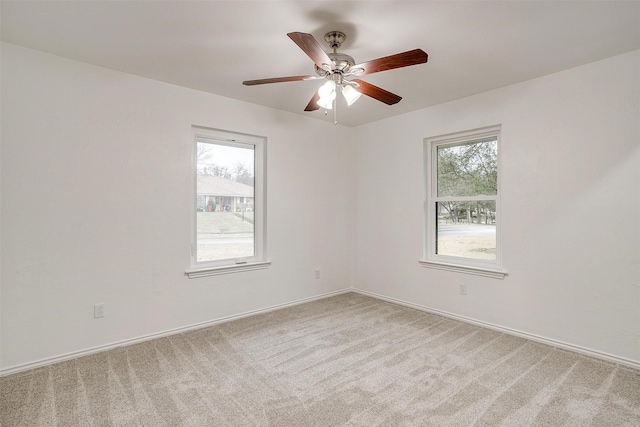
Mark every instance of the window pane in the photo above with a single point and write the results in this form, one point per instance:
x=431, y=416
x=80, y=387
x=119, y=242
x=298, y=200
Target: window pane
x=469, y=169
x=225, y=201
x=466, y=229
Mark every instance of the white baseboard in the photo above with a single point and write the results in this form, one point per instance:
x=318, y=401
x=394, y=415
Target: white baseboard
x=559, y=344
x=76, y=354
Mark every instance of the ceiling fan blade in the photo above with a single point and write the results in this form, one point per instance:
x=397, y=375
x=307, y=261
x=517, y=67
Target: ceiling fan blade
x=313, y=104
x=312, y=48
x=399, y=60
x=376, y=92
x=277, y=80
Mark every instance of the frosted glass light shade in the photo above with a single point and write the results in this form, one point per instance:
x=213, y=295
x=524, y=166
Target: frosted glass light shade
x=350, y=94
x=326, y=102
x=327, y=93
x=328, y=90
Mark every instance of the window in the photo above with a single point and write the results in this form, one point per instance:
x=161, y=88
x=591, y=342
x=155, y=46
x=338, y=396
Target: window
x=463, y=203
x=228, y=227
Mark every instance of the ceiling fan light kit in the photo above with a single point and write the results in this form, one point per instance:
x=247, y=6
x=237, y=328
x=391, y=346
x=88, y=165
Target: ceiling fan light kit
x=337, y=68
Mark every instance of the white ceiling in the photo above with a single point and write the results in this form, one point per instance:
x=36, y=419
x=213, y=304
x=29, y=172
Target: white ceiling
x=214, y=45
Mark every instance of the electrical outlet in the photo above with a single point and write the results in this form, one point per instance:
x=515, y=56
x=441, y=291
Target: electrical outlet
x=316, y=273
x=462, y=289
x=98, y=310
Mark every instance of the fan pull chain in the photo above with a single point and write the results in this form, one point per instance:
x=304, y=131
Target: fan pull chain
x=335, y=102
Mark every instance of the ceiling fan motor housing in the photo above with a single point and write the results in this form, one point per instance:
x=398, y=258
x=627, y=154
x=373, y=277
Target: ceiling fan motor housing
x=342, y=63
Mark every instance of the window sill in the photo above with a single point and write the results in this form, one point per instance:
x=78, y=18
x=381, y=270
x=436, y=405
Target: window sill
x=477, y=271
x=213, y=271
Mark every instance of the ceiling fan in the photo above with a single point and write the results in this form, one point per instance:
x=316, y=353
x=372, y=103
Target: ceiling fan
x=339, y=70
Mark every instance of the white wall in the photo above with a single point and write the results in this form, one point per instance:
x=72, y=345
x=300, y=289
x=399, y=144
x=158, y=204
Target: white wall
x=96, y=207
x=570, y=193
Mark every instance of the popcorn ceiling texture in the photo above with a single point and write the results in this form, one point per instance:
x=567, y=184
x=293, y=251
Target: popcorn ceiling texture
x=348, y=360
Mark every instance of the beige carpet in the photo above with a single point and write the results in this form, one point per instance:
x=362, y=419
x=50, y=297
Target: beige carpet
x=348, y=360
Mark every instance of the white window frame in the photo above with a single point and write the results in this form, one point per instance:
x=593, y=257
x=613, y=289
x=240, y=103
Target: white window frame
x=259, y=259
x=487, y=268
